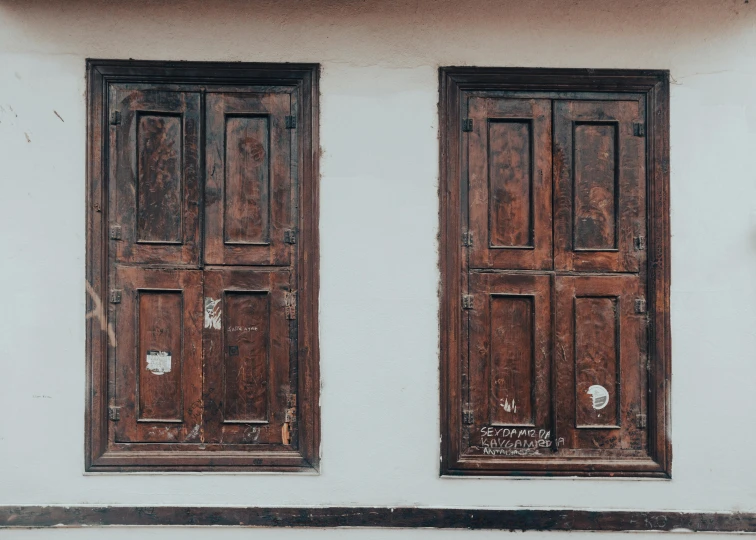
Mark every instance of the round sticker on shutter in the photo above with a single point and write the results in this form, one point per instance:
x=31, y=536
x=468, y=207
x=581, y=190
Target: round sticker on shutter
x=600, y=396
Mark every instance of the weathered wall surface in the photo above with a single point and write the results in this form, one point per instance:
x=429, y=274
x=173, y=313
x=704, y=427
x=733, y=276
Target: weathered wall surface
x=379, y=220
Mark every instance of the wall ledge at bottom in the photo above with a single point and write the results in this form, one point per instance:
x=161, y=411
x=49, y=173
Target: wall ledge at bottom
x=375, y=517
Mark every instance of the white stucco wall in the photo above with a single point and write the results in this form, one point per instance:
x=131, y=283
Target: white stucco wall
x=379, y=221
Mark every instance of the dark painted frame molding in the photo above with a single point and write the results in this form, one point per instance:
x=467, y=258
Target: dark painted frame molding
x=304, y=80
x=369, y=517
x=654, y=84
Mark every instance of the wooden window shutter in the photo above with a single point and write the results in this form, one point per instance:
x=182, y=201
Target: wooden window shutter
x=202, y=241
x=555, y=325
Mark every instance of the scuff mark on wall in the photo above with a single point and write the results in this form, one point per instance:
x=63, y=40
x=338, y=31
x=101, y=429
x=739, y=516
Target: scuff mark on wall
x=98, y=313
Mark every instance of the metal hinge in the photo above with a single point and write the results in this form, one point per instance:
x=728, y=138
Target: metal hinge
x=640, y=243
x=291, y=305
x=467, y=239
x=115, y=118
x=115, y=296
x=291, y=122
x=640, y=305
x=115, y=232
x=639, y=129
x=467, y=301
x=642, y=420
x=290, y=236
x=467, y=124
x=114, y=413
x=467, y=416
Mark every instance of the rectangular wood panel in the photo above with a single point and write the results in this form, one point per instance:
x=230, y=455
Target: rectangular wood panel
x=512, y=336
x=509, y=190
x=595, y=188
x=510, y=183
x=596, y=361
x=250, y=182
x=599, y=182
x=159, y=189
x=247, y=182
x=154, y=147
x=160, y=355
x=247, y=355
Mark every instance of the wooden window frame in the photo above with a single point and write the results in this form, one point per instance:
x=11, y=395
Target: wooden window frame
x=654, y=84
x=303, y=78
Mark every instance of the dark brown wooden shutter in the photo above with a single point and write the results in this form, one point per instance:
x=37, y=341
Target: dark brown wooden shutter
x=248, y=192
x=208, y=277
x=547, y=304
x=510, y=183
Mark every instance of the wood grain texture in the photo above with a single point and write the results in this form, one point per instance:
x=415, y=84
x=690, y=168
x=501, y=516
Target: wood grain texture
x=525, y=519
x=145, y=174
x=246, y=329
x=160, y=355
x=597, y=358
x=595, y=187
x=246, y=195
x=159, y=179
x=512, y=338
x=602, y=172
x=510, y=181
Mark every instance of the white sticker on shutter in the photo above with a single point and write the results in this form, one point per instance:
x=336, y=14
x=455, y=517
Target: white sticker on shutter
x=159, y=362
